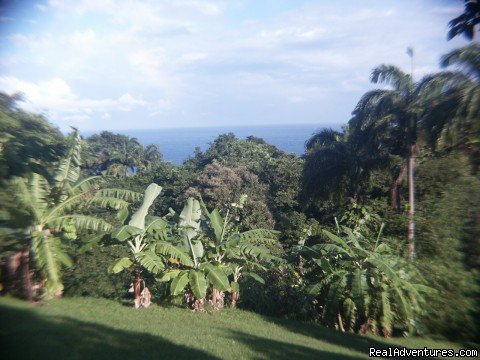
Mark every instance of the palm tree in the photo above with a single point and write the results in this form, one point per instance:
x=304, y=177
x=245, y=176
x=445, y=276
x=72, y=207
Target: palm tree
x=151, y=155
x=125, y=157
x=386, y=121
x=452, y=104
x=115, y=154
x=53, y=209
x=332, y=168
x=467, y=22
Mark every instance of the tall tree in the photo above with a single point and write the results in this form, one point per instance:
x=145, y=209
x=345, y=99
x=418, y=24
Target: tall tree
x=467, y=22
x=119, y=155
x=451, y=102
x=332, y=168
x=387, y=119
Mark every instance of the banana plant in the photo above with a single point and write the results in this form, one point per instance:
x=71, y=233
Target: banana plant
x=211, y=254
x=239, y=253
x=141, y=233
x=366, y=286
x=54, y=209
x=190, y=271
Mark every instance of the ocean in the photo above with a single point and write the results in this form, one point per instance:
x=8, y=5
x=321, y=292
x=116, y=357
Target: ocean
x=178, y=144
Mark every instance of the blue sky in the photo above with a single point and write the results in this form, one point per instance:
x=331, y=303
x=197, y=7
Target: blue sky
x=111, y=64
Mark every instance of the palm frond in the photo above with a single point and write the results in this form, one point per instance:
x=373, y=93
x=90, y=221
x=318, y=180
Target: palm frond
x=122, y=194
x=82, y=222
x=151, y=261
x=391, y=75
x=168, y=249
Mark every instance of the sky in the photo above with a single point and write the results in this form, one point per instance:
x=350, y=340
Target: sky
x=126, y=64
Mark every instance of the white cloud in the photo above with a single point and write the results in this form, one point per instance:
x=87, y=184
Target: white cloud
x=56, y=97
x=181, y=58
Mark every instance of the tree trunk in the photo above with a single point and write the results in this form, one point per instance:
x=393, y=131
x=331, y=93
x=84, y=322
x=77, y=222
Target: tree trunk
x=217, y=298
x=193, y=302
x=340, y=323
x=234, y=299
x=411, y=203
x=26, y=275
x=395, y=195
x=10, y=273
x=137, y=288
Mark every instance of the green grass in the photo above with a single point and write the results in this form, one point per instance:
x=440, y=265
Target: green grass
x=86, y=328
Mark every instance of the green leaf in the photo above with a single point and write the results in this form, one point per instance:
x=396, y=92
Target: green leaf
x=69, y=166
x=120, y=265
x=125, y=232
x=165, y=248
x=315, y=289
x=155, y=224
x=198, y=284
x=197, y=249
x=217, y=278
x=359, y=290
x=178, y=284
x=190, y=218
x=123, y=194
x=151, y=261
x=169, y=275
x=90, y=243
x=254, y=277
x=82, y=222
x=234, y=286
x=122, y=215
x=217, y=224
x=151, y=193
x=339, y=241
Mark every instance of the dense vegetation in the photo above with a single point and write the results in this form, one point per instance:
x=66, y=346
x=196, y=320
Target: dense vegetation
x=375, y=229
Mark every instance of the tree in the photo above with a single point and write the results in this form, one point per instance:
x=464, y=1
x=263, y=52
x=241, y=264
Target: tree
x=191, y=273
x=151, y=155
x=220, y=184
x=213, y=256
x=239, y=251
x=365, y=285
x=52, y=213
x=386, y=120
x=119, y=155
x=467, y=22
x=332, y=167
x=452, y=104
x=28, y=142
x=139, y=234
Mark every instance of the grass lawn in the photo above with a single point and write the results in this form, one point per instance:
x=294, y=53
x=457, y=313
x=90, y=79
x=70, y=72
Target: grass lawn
x=86, y=328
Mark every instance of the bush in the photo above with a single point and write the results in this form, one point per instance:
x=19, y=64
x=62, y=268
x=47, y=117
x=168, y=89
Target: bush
x=89, y=274
x=282, y=295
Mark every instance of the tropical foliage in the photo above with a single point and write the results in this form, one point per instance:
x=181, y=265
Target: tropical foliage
x=52, y=212
x=409, y=155
x=364, y=284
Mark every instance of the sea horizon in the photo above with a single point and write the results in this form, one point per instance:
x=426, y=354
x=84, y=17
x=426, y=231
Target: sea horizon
x=177, y=144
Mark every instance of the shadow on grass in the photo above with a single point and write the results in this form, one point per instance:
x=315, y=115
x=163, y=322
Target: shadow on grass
x=25, y=335
x=350, y=341
x=273, y=349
